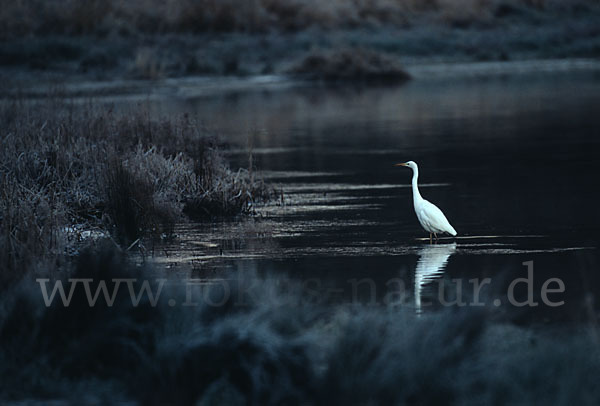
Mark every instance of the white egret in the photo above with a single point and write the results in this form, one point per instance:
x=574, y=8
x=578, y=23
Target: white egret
x=430, y=216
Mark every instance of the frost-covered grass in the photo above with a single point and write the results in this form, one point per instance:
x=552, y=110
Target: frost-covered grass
x=132, y=176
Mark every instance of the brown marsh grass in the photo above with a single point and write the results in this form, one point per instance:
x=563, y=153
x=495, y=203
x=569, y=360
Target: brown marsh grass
x=104, y=17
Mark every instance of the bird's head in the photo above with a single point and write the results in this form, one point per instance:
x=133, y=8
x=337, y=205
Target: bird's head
x=411, y=164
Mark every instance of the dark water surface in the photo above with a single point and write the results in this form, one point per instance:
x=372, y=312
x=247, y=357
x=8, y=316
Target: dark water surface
x=512, y=161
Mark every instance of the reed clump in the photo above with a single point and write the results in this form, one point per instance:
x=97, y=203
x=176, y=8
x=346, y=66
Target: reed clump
x=64, y=168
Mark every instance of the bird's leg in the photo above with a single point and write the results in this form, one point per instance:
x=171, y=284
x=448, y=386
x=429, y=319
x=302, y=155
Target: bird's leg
x=436, y=237
x=430, y=239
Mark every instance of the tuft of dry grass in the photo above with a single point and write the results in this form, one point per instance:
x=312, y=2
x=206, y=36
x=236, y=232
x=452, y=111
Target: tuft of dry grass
x=30, y=233
x=213, y=194
x=130, y=202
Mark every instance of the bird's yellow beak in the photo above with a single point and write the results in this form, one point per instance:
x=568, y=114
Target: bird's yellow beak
x=402, y=164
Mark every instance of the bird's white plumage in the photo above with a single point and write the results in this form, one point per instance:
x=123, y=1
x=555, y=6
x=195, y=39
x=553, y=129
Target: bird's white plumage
x=432, y=219
x=430, y=216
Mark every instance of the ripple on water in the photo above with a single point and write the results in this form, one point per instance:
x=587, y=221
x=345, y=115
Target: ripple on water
x=321, y=219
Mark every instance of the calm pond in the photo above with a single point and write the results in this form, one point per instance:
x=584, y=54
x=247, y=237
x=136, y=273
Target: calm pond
x=512, y=160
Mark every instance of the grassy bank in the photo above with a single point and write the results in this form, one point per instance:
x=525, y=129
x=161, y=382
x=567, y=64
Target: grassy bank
x=149, y=39
x=68, y=171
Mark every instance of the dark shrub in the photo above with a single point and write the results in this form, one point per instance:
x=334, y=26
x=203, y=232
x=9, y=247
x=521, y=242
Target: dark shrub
x=355, y=65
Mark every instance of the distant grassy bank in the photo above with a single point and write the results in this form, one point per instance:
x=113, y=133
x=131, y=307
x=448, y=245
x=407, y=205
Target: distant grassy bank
x=153, y=39
x=67, y=171
x=126, y=18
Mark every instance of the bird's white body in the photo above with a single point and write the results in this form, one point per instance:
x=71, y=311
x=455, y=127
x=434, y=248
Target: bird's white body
x=430, y=216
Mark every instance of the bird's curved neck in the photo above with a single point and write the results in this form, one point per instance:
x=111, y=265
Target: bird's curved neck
x=415, y=186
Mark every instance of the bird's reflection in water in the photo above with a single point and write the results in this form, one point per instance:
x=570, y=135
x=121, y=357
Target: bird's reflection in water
x=431, y=264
